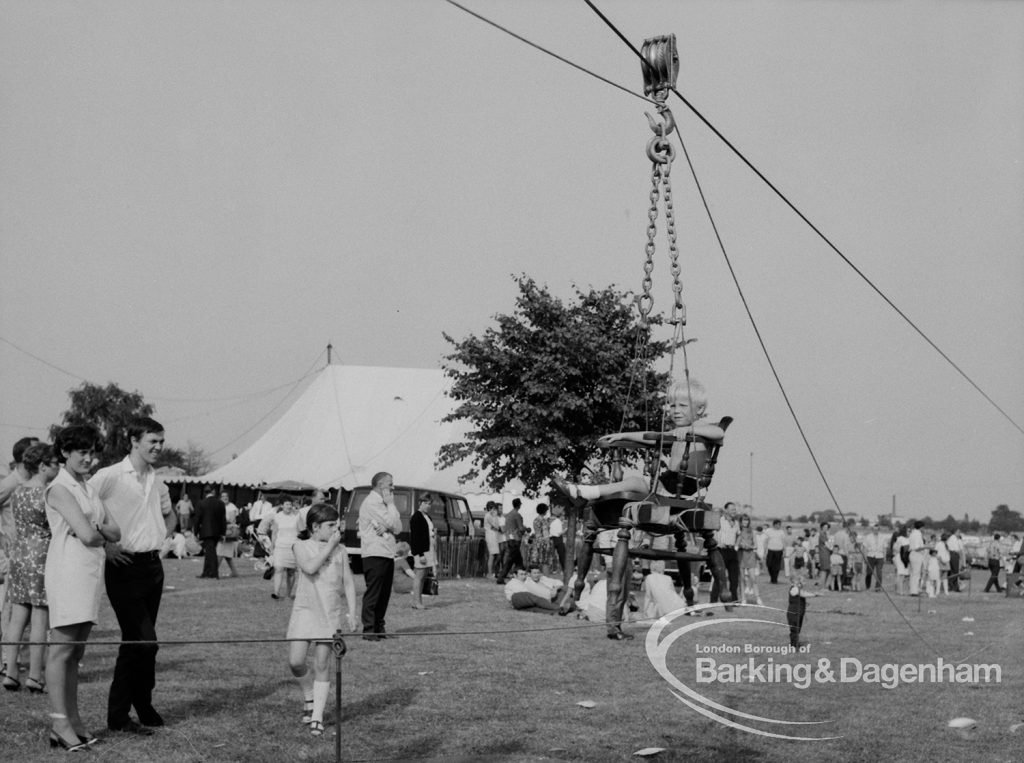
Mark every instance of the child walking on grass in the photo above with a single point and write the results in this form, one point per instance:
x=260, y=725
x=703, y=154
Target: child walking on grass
x=324, y=576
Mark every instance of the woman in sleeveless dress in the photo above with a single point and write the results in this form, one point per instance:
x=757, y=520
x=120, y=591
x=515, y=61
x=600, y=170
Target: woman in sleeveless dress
x=80, y=528
x=26, y=588
x=283, y=528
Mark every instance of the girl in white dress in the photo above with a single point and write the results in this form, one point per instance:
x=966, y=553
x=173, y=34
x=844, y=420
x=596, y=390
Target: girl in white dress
x=324, y=576
x=80, y=528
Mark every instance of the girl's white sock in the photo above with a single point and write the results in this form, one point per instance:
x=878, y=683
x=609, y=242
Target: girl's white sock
x=320, y=689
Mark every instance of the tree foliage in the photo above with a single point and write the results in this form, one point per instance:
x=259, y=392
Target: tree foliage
x=110, y=409
x=541, y=385
x=1005, y=520
x=193, y=460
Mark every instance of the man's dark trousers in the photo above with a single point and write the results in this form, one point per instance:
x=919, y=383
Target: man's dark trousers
x=379, y=574
x=210, y=557
x=512, y=556
x=732, y=567
x=773, y=560
x=134, y=590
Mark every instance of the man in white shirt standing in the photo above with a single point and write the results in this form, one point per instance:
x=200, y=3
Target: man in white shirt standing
x=874, y=553
x=557, y=531
x=379, y=524
x=134, y=576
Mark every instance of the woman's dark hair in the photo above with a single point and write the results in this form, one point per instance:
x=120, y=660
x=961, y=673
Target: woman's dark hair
x=35, y=456
x=542, y=509
x=80, y=437
x=319, y=513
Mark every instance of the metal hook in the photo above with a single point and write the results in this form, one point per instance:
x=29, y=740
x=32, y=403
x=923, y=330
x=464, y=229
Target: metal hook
x=666, y=126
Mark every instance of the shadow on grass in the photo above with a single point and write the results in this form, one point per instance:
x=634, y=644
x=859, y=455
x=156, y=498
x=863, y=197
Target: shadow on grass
x=381, y=702
x=210, y=703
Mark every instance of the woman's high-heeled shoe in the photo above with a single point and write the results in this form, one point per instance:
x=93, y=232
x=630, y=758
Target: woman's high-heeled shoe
x=35, y=686
x=88, y=739
x=58, y=741
x=11, y=683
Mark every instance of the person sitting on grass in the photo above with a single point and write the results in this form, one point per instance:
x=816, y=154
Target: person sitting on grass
x=686, y=406
x=532, y=593
x=660, y=597
x=324, y=577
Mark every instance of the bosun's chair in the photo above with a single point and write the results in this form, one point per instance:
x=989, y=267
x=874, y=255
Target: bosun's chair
x=657, y=515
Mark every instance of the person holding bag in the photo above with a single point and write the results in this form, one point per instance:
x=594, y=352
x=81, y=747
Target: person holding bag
x=422, y=540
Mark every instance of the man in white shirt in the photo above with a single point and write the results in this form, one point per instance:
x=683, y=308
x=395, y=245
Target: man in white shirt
x=775, y=546
x=137, y=500
x=379, y=525
x=531, y=592
x=185, y=511
x=873, y=548
x=995, y=563
x=557, y=531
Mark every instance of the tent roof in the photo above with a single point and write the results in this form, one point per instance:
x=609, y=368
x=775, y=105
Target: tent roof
x=350, y=423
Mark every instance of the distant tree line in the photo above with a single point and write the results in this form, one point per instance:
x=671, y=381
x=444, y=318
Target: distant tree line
x=1003, y=520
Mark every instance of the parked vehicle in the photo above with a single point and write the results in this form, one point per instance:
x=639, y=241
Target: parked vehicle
x=975, y=551
x=449, y=513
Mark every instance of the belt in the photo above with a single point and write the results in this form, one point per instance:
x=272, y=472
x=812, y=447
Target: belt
x=141, y=556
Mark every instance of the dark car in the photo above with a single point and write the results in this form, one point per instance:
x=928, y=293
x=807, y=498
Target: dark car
x=449, y=513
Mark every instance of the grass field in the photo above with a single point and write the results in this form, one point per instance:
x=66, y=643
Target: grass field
x=470, y=679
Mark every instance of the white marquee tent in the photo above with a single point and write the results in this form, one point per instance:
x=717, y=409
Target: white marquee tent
x=351, y=422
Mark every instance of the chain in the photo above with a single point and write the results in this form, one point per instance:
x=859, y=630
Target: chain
x=661, y=153
x=678, y=308
x=645, y=301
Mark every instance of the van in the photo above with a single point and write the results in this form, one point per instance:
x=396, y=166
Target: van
x=449, y=513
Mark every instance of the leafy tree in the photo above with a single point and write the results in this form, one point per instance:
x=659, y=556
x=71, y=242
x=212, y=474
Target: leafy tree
x=1004, y=520
x=110, y=409
x=543, y=384
x=193, y=460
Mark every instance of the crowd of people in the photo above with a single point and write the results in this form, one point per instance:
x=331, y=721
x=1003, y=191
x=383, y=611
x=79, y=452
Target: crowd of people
x=70, y=531
x=848, y=558
x=512, y=546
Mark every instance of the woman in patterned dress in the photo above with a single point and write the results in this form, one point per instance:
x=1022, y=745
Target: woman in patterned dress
x=542, y=550
x=26, y=588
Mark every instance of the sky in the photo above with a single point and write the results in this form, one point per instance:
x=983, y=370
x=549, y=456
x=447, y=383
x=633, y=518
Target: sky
x=197, y=197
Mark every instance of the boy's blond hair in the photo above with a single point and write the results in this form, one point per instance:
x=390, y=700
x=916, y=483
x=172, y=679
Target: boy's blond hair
x=697, y=396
